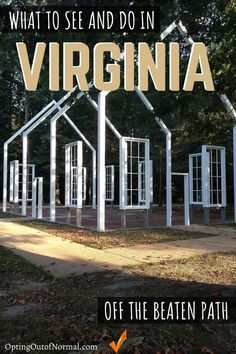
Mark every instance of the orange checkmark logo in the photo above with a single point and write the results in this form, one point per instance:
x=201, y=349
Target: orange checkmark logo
x=122, y=339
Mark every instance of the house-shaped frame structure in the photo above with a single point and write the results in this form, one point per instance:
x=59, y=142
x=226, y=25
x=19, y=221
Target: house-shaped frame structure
x=54, y=110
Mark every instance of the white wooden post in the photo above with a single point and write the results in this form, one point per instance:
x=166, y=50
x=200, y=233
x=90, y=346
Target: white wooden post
x=168, y=181
x=94, y=178
x=147, y=176
x=5, y=163
x=205, y=177
x=151, y=180
x=84, y=183
x=190, y=176
x=53, y=131
x=24, y=174
x=223, y=178
x=186, y=200
x=112, y=183
x=40, y=197
x=205, y=183
x=101, y=160
x=79, y=172
x=123, y=172
x=79, y=183
x=67, y=175
x=16, y=182
x=34, y=197
x=234, y=163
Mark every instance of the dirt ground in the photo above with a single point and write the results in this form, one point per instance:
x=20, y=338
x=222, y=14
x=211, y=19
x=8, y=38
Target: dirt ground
x=104, y=240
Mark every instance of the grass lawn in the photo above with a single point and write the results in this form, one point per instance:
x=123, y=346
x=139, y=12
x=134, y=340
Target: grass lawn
x=40, y=309
x=215, y=268
x=12, y=264
x=112, y=239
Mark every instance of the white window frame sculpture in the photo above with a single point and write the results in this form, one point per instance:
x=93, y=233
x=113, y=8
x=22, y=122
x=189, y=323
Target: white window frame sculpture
x=53, y=111
x=16, y=181
x=110, y=183
x=102, y=121
x=224, y=99
x=57, y=109
x=73, y=174
x=127, y=174
x=210, y=174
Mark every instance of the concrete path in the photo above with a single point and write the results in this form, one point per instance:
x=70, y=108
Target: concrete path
x=64, y=257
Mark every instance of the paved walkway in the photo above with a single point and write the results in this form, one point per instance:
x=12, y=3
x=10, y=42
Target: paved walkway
x=64, y=257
